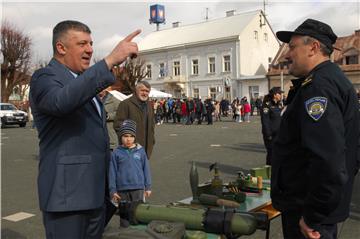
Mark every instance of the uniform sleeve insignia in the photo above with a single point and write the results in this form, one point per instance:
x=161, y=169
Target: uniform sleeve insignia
x=266, y=110
x=306, y=81
x=316, y=107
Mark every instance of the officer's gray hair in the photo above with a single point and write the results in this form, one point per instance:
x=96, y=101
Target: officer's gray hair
x=324, y=49
x=144, y=83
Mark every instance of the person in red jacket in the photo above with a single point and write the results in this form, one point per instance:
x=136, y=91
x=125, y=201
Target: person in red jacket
x=246, y=109
x=184, y=113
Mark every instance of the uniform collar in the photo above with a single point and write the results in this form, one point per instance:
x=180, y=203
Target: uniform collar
x=299, y=81
x=318, y=66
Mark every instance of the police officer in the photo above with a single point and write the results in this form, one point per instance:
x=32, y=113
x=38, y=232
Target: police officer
x=270, y=119
x=315, y=154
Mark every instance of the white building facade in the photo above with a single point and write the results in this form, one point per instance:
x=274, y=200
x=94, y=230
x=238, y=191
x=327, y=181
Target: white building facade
x=222, y=58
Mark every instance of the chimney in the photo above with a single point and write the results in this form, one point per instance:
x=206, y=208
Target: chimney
x=357, y=32
x=230, y=13
x=175, y=24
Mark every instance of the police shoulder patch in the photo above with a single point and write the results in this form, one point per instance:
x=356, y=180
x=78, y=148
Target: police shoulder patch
x=316, y=107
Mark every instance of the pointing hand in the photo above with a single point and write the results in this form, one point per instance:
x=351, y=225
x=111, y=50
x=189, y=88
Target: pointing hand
x=122, y=50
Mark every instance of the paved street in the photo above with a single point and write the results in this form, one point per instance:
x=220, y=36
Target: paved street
x=234, y=146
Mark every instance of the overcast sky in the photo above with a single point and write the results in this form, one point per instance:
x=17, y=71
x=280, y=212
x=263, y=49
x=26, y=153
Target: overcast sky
x=113, y=20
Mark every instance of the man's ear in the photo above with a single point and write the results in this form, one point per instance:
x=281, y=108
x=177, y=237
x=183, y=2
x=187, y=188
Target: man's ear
x=60, y=47
x=315, y=47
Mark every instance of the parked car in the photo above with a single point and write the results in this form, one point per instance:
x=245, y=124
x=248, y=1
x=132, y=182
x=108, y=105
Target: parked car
x=10, y=115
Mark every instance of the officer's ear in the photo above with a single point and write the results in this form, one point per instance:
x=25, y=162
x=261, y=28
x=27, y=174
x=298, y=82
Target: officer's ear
x=315, y=47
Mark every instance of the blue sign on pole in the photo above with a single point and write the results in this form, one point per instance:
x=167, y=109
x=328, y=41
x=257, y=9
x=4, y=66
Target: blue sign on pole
x=157, y=14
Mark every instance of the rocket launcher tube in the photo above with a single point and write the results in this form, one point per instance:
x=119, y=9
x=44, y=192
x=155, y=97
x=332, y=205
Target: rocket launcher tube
x=211, y=220
x=192, y=218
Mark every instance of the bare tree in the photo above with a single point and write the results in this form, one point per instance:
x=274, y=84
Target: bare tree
x=130, y=74
x=15, y=47
x=25, y=84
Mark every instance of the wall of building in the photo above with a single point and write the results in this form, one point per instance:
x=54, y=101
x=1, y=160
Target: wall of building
x=354, y=77
x=204, y=80
x=255, y=52
x=260, y=83
x=275, y=81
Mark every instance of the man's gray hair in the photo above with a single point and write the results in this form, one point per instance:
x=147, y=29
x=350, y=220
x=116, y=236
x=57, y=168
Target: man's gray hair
x=62, y=27
x=144, y=83
x=324, y=49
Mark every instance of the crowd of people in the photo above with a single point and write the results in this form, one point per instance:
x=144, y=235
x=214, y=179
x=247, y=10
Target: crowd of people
x=190, y=110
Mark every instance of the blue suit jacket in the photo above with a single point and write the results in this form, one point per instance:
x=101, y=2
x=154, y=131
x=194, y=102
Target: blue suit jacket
x=74, y=143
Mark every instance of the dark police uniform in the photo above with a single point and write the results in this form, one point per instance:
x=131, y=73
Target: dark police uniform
x=315, y=154
x=270, y=121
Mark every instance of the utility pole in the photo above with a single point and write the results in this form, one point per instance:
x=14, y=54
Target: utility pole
x=264, y=13
x=207, y=14
x=264, y=3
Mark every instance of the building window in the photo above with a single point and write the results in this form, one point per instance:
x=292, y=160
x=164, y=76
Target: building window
x=266, y=37
x=350, y=60
x=254, y=91
x=211, y=64
x=195, y=67
x=177, y=93
x=196, y=93
x=161, y=70
x=176, y=68
x=227, y=63
x=148, y=71
x=256, y=34
x=213, y=93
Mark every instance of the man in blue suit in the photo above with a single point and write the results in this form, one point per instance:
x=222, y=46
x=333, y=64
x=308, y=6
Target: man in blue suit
x=71, y=124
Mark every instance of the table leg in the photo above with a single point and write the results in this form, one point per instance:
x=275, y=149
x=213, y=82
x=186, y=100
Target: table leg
x=268, y=230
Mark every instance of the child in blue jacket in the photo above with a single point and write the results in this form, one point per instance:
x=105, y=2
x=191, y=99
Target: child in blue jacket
x=129, y=172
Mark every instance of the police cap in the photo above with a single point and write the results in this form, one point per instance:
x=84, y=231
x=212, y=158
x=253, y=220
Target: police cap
x=275, y=90
x=313, y=28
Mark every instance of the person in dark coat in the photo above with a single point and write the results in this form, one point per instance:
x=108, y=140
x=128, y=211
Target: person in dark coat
x=177, y=111
x=199, y=109
x=190, y=108
x=315, y=154
x=73, y=139
x=138, y=108
x=209, y=110
x=270, y=119
x=224, y=105
x=258, y=105
x=111, y=103
x=253, y=105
